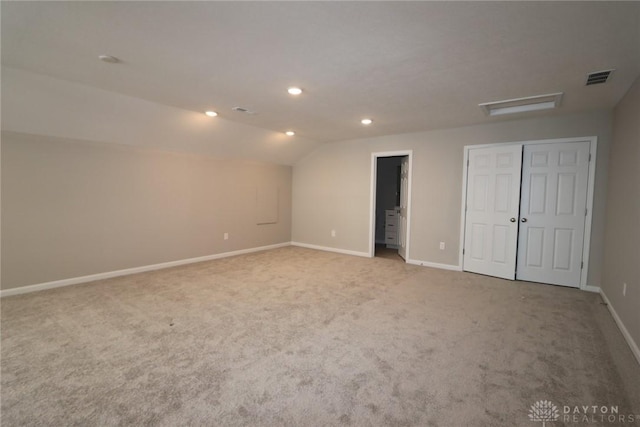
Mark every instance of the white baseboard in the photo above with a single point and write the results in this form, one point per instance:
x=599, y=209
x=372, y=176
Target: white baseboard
x=590, y=288
x=434, y=265
x=627, y=336
x=134, y=270
x=328, y=249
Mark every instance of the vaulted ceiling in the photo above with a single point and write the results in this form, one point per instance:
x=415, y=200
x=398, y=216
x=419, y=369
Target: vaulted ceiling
x=410, y=66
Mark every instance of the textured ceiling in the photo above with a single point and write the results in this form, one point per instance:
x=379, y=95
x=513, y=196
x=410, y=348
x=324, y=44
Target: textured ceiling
x=411, y=66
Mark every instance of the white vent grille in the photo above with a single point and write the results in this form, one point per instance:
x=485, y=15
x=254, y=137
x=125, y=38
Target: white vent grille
x=522, y=105
x=598, y=77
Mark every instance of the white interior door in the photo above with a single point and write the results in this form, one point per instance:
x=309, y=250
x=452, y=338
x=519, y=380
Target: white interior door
x=553, y=210
x=402, y=214
x=493, y=199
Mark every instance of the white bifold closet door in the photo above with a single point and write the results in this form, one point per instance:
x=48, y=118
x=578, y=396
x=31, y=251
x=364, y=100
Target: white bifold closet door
x=552, y=212
x=493, y=198
x=525, y=211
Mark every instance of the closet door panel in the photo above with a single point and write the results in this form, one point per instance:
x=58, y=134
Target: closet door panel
x=553, y=203
x=493, y=196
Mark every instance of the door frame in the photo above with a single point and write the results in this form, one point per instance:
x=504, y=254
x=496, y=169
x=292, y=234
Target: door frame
x=593, y=149
x=372, y=197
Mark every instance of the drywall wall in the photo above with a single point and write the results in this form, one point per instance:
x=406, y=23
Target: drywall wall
x=73, y=208
x=331, y=186
x=622, y=229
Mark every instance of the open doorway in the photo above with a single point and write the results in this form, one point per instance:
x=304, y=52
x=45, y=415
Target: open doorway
x=390, y=194
x=388, y=183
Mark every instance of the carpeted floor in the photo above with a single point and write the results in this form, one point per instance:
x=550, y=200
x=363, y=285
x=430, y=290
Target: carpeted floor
x=298, y=337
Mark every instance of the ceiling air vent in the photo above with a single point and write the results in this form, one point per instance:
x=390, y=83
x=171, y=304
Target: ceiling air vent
x=243, y=110
x=598, y=77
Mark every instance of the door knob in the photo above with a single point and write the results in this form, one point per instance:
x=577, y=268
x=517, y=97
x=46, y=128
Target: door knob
x=524, y=220
x=512, y=220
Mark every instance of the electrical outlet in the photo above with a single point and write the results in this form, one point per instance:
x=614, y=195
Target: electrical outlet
x=226, y=236
x=624, y=289
x=333, y=233
x=442, y=246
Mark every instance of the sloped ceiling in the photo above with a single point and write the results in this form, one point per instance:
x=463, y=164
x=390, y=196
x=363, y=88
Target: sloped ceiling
x=410, y=66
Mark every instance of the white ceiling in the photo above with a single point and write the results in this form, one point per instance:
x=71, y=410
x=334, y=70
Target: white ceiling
x=411, y=66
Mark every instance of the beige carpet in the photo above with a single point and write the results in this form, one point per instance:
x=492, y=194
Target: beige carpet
x=296, y=337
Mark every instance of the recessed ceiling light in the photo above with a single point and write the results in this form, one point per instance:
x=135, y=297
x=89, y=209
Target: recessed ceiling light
x=108, y=58
x=211, y=113
x=294, y=91
x=521, y=105
x=289, y=133
x=366, y=121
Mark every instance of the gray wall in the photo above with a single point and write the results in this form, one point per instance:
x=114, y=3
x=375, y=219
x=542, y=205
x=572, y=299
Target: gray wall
x=622, y=230
x=73, y=208
x=331, y=186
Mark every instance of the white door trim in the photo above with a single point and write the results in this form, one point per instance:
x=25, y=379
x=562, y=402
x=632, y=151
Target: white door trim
x=372, y=196
x=593, y=149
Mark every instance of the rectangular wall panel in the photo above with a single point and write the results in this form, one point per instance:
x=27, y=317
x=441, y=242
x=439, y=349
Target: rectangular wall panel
x=539, y=159
x=502, y=198
x=504, y=160
x=477, y=242
x=535, y=247
x=500, y=243
x=562, y=244
x=482, y=161
x=480, y=193
x=568, y=158
x=538, y=194
x=566, y=194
